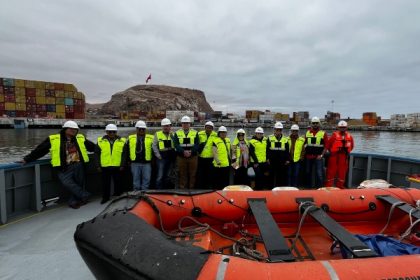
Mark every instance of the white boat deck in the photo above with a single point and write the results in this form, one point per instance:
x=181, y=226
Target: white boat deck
x=41, y=246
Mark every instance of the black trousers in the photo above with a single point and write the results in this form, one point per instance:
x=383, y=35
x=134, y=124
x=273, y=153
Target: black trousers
x=108, y=174
x=261, y=176
x=205, y=172
x=278, y=174
x=241, y=176
x=221, y=177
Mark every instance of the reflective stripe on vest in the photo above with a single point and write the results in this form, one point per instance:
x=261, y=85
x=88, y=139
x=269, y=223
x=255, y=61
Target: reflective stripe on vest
x=162, y=137
x=315, y=144
x=108, y=157
x=300, y=141
x=338, y=145
x=273, y=140
x=207, y=150
x=260, y=149
x=192, y=134
x=55, y=141
x=132, y=143
x=223, y=151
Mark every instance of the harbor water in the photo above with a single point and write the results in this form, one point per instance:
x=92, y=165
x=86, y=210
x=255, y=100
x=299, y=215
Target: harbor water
x=15, y=143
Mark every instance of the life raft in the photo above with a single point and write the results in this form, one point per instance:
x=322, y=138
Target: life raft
x=251, y=235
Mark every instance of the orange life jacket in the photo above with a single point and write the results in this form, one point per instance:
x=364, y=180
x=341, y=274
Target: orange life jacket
x=341, y=143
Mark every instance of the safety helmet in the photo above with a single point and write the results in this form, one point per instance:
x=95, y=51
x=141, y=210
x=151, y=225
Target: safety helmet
x=240, y=131
x=342, y=124
x=315, y=120
x=259, y=130
x=222, y=129
x=209, y=124
x=140, y=124
x=278, y=125
x=70, y=124
x=294, y=127
x=165, y=121
x=111, y=127
x=185, y=119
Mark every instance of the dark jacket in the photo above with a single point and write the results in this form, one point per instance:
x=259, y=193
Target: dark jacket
x=98, y=152
x=180, y=150
x=44, y=148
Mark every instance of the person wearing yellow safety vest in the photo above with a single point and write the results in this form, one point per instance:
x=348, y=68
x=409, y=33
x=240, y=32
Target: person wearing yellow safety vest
x=278, y=156
x=186, y=146
x=163, y=147
x=69, y=151
x=258, y=155
x=109, y=156
x=222, y=158
x=139, y=153
x=315, y=149
x=205, y=156
x=240, y=158
x=296, y=145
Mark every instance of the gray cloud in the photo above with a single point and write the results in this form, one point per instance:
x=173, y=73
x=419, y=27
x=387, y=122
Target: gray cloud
x=279, y=55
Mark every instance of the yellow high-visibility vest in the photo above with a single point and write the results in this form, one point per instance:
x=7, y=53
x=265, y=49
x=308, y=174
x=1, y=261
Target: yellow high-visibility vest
x=132, y=143
x=207, y=150
x=273, y=140
x=300, y=141
x=111, y=157
x=192, y=134
x=162, y=138
x=55, y=141
x=223, y=151
x=260, y=149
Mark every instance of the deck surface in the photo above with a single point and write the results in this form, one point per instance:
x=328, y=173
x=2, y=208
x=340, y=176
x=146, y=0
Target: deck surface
x=41, y=246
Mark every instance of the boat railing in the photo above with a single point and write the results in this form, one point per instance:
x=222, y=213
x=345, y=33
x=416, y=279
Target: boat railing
x=26, y=188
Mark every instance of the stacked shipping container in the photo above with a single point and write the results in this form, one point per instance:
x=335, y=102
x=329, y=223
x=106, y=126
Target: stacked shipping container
x=38, y=99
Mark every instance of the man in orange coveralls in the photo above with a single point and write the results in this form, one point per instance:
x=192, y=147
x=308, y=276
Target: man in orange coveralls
x=340, y=145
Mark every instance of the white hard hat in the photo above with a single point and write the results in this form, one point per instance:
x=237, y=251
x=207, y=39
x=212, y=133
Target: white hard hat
x=294, y=127
x=140, y=124
x=185, y=119
x=222, y=129
x=278, y=125
x=111, y=127
x=70, y=124
x=165, y=121
x=240, y=131
x=259, y=130
x=315, y=120
x=342, y=124
x=209, y=124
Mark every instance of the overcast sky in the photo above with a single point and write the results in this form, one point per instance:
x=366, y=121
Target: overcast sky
x=280, y=55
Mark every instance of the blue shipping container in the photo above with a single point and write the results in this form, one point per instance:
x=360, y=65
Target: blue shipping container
x=11, y=113
x=50, y=108
x=68, y=101
x=9, y=82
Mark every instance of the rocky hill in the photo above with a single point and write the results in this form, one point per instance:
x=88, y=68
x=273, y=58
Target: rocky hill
x=153, y=98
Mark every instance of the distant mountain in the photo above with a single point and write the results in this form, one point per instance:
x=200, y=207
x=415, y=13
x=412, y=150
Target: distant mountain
x=155, y=98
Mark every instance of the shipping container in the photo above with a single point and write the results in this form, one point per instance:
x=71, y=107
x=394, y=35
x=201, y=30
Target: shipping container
x=60, y=115
x=9, y=106
x=8, y=89
x=21, y=114
x=49, y=85
x=1, y=90
x=1, y=97
x=39, y=85
x=40, y=92
x=30, y=92
x=81, y=109
x=40, y=100
x=20, y=91
x=69, y=109
x=8, y=82
x=69, y=115
x=68, y=102
x=49, y=93
x=2, y=106
x=59, y=93
x=30, y=107
x=20, y=106
x=31, y=100
x=59, y=101
x=19, y=83
x=60, y=108
x=50, y=100
x=69, y=94
x=58, y=86
x=41, y=108
x=51, y=108
x=51, y=115
x=41, y=114
x=29, y=84
x=11, y=113
x=79, y=115
x=69, y=87
x=20, y=99
x=9, y=97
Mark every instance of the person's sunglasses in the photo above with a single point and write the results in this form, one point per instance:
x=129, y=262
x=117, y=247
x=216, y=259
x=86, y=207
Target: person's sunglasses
x=111, y=132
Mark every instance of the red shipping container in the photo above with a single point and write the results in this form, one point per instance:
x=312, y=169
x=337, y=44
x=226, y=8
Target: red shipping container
x=69, y=109
x=9, y=97
x=69, y=115
x=1, y=106
x=21, y=114
x=30, y=100
x=30, y=107
x=79, y=115
x=58, y=86
x=1, y=89
x=41, y=114
x=30, y=92
x=9, y=90
x=2, y=113
x=1, y=81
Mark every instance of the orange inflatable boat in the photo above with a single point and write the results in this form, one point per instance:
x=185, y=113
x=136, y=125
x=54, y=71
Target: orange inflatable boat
x=306, y=234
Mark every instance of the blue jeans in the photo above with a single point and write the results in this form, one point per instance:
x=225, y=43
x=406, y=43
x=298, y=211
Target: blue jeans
x=141, y=175
x=294, y=169
x=164, y=166
x=73, y=179
x=319, y=172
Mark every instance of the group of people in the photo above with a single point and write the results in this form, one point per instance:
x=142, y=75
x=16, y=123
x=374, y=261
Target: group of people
x=203, y=159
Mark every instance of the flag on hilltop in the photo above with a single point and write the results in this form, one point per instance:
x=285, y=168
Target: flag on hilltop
x=148, y=78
